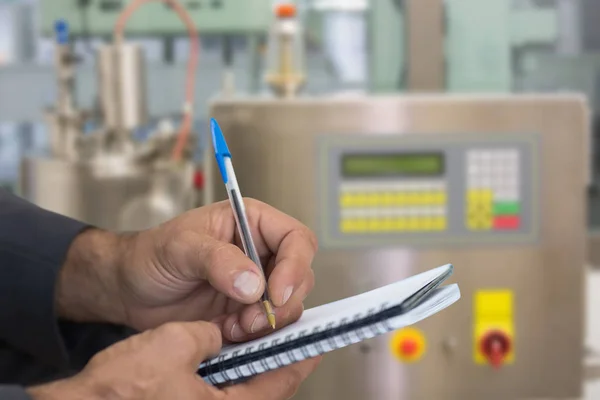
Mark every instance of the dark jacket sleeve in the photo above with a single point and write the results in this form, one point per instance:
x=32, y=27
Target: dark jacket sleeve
x=13, y=393
x=34, y=345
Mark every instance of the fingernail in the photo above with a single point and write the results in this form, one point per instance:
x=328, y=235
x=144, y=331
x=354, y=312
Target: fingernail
x=236, y=332
x=259, y=323
x=247, y=283
x=287, y=293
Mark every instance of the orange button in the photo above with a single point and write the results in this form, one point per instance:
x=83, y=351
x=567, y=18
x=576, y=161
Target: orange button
x=408, y=345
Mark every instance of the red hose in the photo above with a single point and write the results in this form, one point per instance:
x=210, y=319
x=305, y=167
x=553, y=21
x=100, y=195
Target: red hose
x=186, y=125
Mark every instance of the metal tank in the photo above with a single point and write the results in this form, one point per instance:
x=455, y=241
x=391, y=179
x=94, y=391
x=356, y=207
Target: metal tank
x=397, y=185
x=130, y=197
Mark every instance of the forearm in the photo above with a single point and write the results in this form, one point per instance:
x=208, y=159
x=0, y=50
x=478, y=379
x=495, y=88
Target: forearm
x=87, y=289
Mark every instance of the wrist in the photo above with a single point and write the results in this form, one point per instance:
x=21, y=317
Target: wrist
x=88, y=289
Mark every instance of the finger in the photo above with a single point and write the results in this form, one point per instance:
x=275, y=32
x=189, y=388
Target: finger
x=275, y=385
x=251, y=323
x=292, y=275
x=224, y=265
x=293, y=244
x=191, y=342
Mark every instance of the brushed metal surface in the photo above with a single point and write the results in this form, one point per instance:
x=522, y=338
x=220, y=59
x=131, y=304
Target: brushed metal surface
x=105, y=197
x=274, y=151
x=122, y=86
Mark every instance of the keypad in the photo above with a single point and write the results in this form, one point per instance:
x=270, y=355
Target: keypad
x=493, y=190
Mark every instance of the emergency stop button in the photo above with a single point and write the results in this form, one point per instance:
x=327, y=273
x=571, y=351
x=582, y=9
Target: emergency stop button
x=495, y=346
x=408, y=345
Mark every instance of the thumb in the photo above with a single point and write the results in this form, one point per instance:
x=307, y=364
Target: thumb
x=223, y=265
x=193, y=342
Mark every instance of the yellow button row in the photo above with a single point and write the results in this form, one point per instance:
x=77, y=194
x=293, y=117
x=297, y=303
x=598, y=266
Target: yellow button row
x=392, y=199
x=381, y=225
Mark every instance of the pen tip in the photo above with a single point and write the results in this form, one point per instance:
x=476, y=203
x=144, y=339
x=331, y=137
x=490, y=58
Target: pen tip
x=271, y=319
x=270, y=313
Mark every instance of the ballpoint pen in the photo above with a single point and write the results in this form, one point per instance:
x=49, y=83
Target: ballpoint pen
x=223, y=157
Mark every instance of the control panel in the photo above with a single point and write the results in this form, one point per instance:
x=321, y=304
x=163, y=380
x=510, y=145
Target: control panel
x=98, y=17
x=422, y=189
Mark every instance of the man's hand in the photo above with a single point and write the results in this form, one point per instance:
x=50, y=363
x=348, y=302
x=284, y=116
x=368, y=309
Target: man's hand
x=161, y=364
x=191, y=268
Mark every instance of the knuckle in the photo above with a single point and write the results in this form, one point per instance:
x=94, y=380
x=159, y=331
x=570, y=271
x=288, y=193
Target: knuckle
x=311, y=237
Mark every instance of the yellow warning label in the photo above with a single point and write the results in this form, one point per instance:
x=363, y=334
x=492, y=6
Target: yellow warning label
x=493, y=314
x=408, y=345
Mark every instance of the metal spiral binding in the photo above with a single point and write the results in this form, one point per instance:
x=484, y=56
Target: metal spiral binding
x=386, y=323
x=221, y=359
x=317, y=345
x=217, y=365
x=291, y=355
x=345, y=337
x=210, y=376
x=237, y=369
x=263, y=361
x=358, y=332
x=277, y=355
x=373, y=327
x=330, y=339
x=303, y=349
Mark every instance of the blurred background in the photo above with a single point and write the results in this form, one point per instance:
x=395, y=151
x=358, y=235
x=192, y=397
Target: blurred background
x=407, y=133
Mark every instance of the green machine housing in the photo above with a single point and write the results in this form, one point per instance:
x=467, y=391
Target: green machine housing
x=210, y=16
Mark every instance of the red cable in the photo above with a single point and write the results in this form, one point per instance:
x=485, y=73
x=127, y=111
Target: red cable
x=184, y=129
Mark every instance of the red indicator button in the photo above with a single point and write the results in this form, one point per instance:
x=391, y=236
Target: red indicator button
x=507, y=222
x=409, y=347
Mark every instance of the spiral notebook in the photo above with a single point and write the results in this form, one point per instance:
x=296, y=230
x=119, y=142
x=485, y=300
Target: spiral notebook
x=335, y=325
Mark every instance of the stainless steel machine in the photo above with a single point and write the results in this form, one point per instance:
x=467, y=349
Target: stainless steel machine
x=107, y=177
x=397, y=185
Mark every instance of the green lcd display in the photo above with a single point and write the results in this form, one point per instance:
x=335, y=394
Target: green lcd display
x=405, y=164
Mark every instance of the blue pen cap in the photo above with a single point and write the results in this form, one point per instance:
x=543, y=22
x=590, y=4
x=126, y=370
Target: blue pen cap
x=61, y=28
x=220, y=146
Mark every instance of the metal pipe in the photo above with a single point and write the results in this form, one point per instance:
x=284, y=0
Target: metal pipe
x=425, y=33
